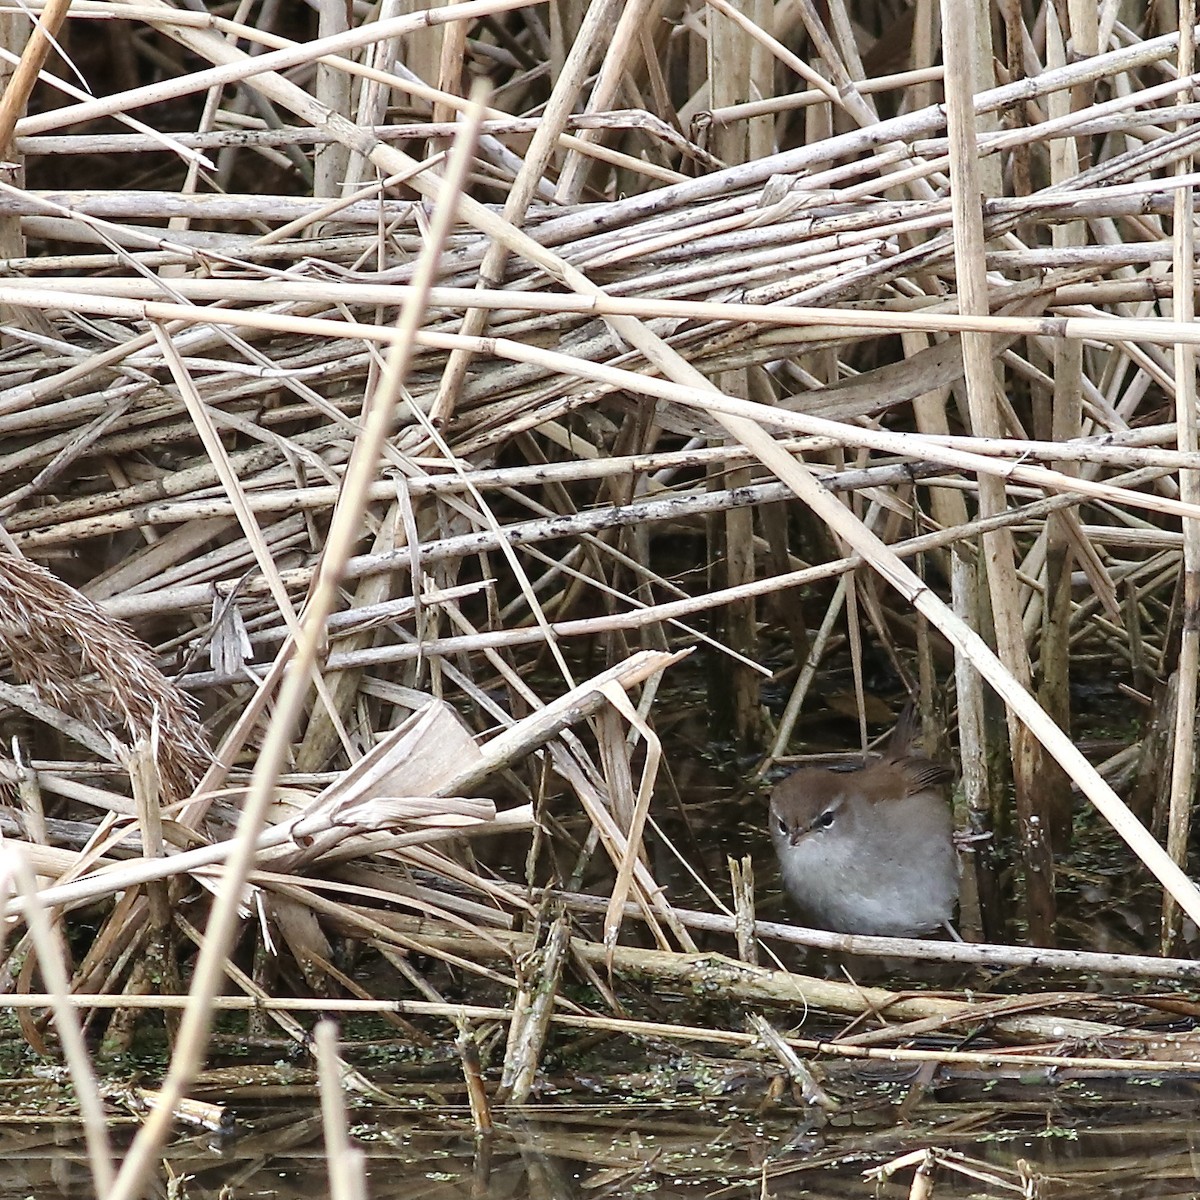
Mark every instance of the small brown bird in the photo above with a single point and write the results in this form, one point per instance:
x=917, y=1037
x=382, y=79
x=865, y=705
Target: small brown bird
x=869, y=851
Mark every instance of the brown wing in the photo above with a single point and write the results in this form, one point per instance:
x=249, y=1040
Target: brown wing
x=923, y=773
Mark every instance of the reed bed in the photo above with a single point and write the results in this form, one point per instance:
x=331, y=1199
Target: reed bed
x=401, y=408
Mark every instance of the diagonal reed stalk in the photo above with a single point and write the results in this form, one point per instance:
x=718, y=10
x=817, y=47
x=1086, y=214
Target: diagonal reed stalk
x=222, y=923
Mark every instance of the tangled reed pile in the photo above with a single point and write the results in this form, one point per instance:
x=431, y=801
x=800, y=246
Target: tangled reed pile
x=370, y=449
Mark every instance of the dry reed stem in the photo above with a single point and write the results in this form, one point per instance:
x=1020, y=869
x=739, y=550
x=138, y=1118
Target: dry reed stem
x=959, y=30
x=18, y=87
x=1183, y=765
x=347, y=1163
x=523, y=738
x=1000, y=1058
x=1018, y=1019
x=20, y=880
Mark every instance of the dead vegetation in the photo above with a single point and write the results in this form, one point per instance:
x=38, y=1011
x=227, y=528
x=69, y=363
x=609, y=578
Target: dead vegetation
x=371, y=450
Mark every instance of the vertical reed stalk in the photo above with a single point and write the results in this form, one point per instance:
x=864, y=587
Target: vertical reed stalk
x=333, y=89
x=1183, y=763
x=732, y=63
x=347, y=1164
x=617, y=63
x=1066, y=421
x=958, y=37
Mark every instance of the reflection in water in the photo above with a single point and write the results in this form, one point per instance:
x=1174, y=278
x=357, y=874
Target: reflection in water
x=1080, y=1137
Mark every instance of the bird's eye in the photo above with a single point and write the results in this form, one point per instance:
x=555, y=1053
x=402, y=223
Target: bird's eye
x=825, y=819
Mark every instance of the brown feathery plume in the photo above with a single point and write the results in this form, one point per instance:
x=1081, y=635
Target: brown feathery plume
x=80, y=659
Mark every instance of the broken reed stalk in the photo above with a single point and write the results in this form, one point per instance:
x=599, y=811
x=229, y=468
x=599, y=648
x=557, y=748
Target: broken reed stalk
x=477, y=1096
x=533, y=1011
x=466, y=772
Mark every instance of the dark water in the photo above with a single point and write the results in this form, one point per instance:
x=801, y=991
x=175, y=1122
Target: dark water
x=720, y=1135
